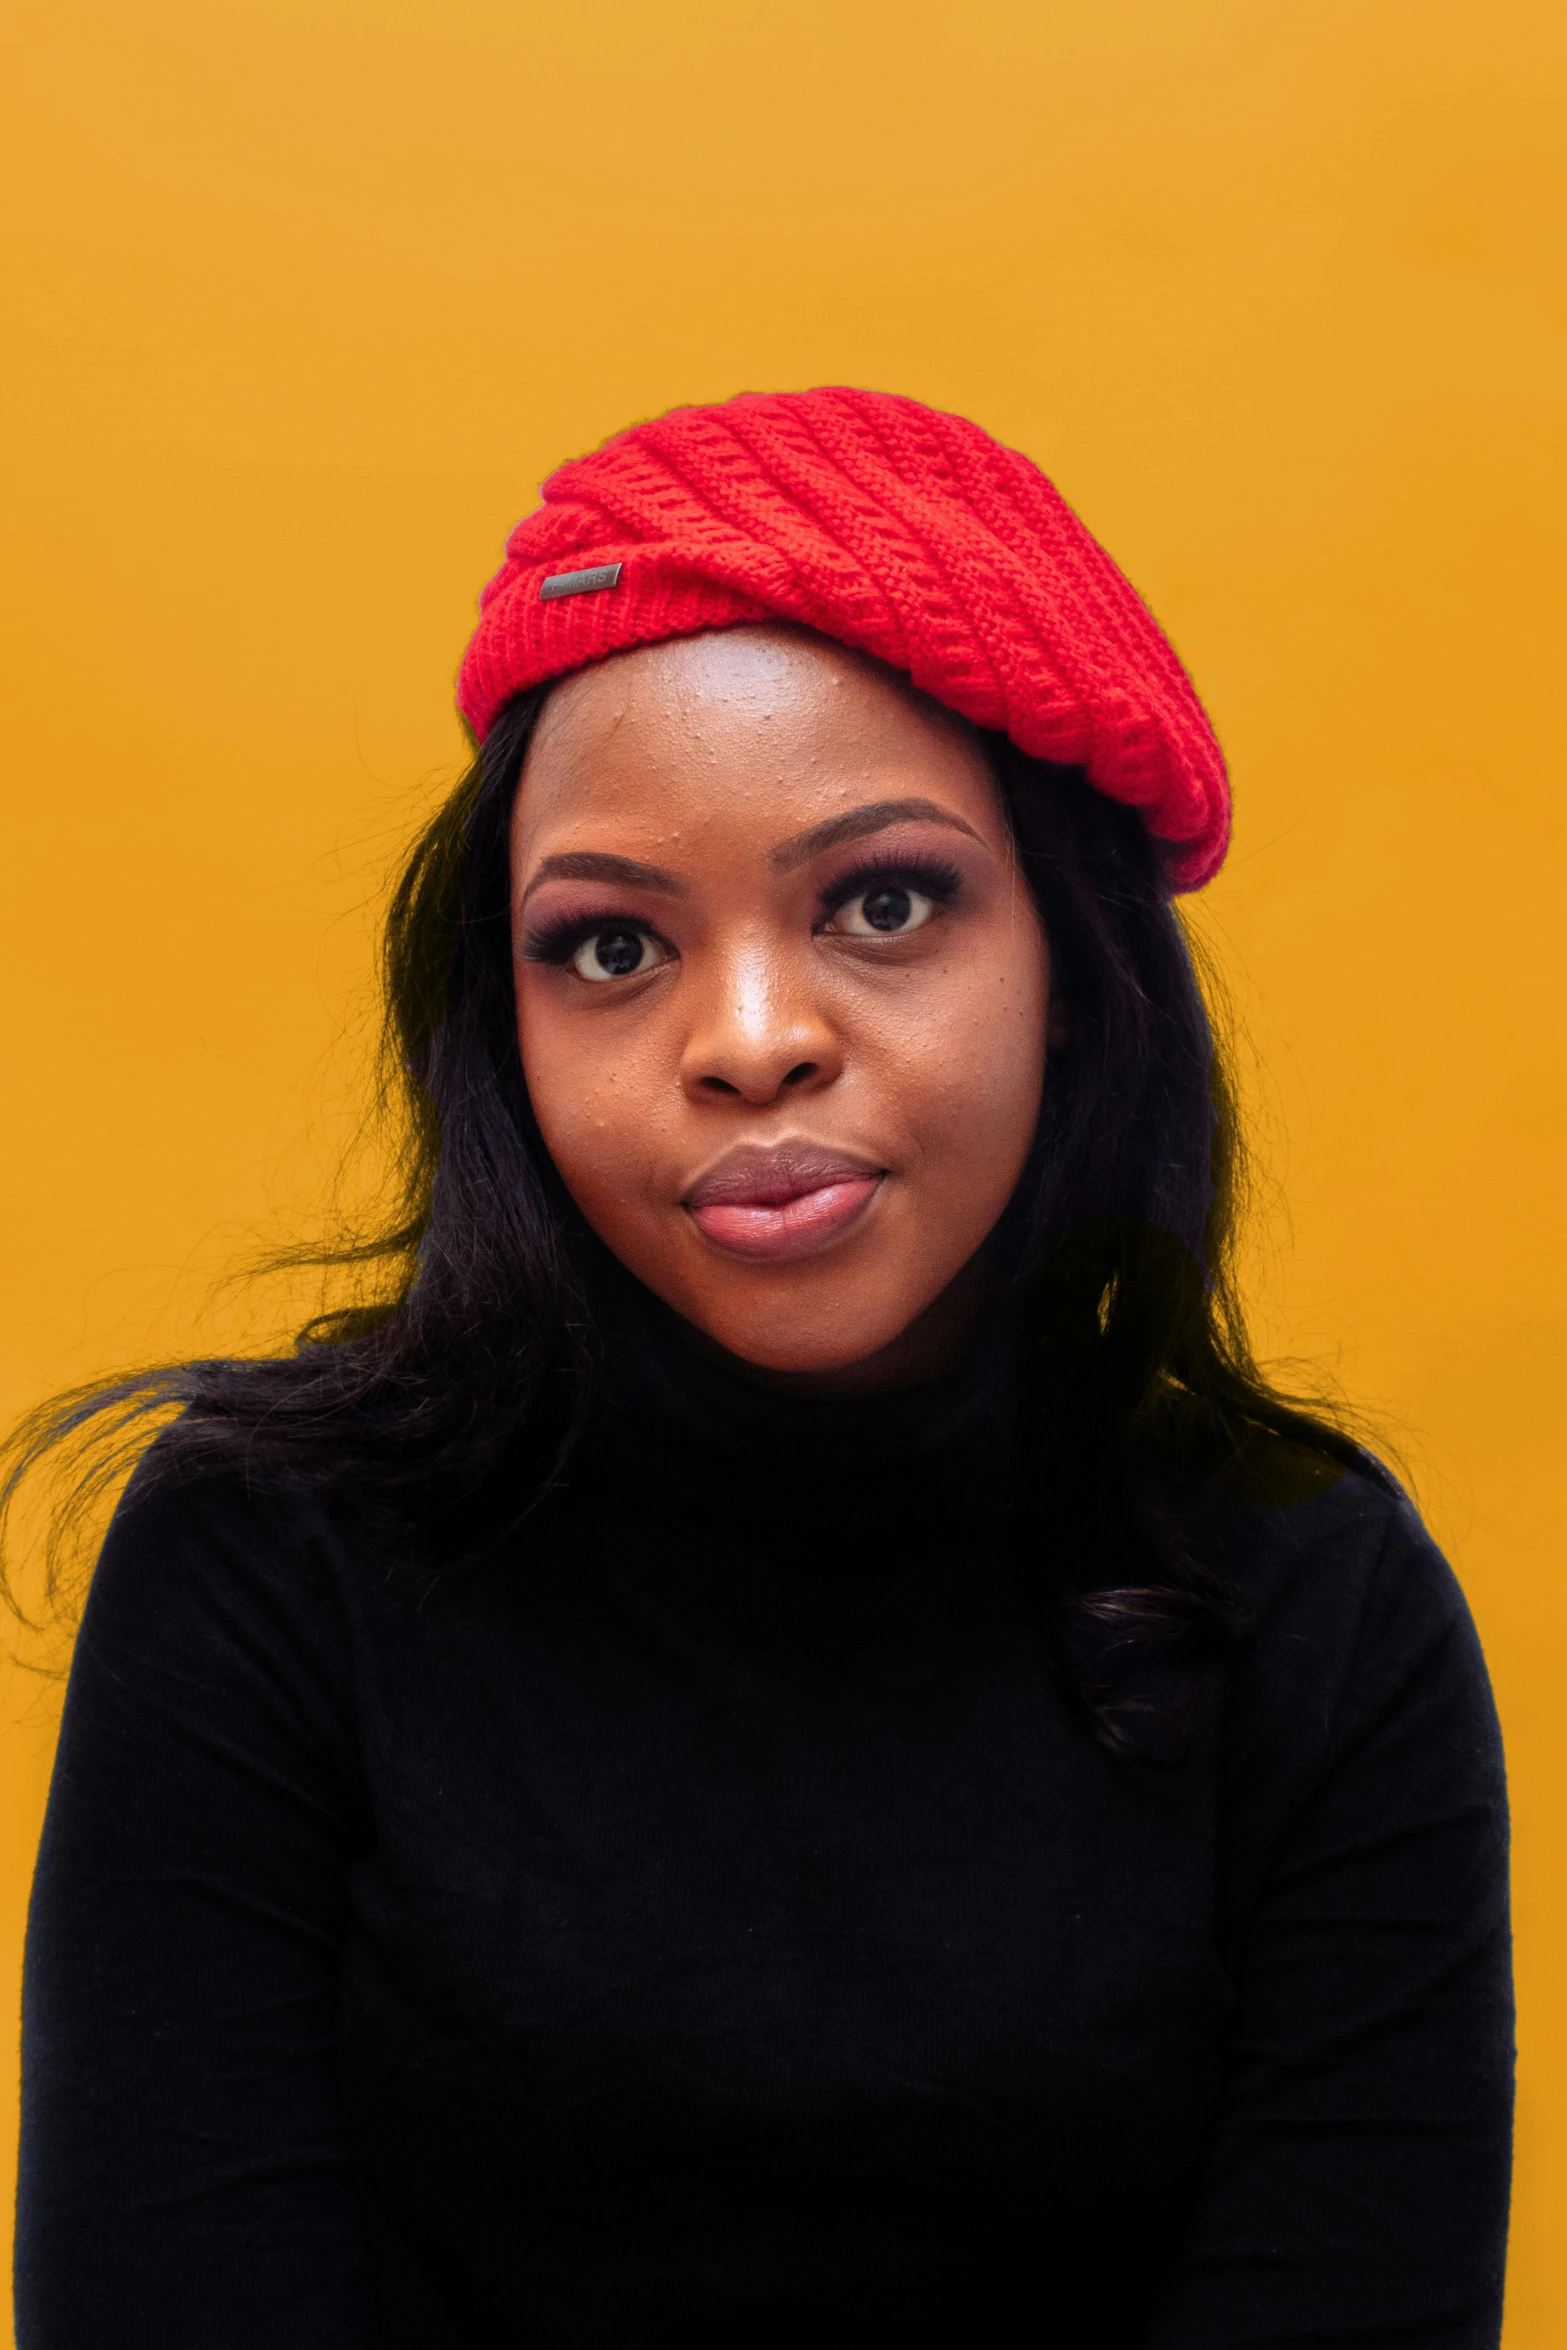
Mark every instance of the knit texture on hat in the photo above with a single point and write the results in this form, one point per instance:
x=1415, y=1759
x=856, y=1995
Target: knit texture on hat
x=895, y=528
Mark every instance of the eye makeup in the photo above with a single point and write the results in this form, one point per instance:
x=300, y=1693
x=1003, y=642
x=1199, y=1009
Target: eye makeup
x=931, y=877
x=557, y=942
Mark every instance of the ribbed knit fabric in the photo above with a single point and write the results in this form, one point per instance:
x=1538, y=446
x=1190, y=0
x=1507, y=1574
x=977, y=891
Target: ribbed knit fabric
x=702, y=1921
x=895, y=528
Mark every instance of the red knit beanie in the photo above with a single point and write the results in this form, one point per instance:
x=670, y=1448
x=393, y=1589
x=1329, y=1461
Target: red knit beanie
x=892, y=527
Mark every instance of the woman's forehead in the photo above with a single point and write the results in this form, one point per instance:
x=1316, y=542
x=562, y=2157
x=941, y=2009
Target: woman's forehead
x=764, y=724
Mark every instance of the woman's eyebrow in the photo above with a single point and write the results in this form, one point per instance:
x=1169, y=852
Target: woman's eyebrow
x=595, y=865
x=855, y=823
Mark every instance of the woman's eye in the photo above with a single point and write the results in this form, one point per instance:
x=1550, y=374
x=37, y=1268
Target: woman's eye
x=615, y=952
x=888, y=907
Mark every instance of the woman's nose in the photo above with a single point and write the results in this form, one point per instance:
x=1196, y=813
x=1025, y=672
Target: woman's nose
x=758, y=1033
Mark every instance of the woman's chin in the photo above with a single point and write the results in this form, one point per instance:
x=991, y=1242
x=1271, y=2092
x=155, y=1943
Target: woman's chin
x=845, y=1349
x=786, y=1355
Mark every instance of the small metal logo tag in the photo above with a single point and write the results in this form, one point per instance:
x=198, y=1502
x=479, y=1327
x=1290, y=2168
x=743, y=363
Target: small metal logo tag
x=579, y=583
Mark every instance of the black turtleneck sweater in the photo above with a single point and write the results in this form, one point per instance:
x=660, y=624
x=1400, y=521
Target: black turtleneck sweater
x=705, y=1918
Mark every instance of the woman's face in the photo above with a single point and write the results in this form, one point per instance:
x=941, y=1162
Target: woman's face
x=782, y=993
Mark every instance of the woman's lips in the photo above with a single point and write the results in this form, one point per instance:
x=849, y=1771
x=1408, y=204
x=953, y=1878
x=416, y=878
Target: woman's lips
x=785, y=1201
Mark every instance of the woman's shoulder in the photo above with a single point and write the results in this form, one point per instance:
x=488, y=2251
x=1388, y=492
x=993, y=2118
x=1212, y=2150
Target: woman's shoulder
x=1358, y=1621
x=1348, y=1539
x=211, y=1730
x=211, y=1558
x=206, y=1566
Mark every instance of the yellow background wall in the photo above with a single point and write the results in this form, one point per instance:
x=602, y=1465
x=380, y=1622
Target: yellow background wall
x=307, y=295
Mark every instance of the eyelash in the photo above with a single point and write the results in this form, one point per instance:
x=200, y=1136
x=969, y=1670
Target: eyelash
x=560, y=941
x=932, y=876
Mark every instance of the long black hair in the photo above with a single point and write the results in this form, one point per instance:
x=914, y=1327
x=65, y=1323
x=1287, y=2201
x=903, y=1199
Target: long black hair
x=448, y=1389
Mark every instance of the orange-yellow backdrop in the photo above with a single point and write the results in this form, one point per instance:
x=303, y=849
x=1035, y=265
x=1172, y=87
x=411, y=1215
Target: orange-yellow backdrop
x=307, y=295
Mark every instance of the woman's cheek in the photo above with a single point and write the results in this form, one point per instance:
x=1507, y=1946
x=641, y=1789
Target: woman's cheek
x=979, y=1067
x=585, y=1120
x=600, y=1127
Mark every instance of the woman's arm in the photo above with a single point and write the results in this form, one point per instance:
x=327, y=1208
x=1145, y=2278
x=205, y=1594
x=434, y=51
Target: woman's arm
x=184, y=2182
x=1357, y=2194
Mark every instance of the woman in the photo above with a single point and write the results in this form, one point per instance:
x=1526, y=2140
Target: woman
x=782, y=1739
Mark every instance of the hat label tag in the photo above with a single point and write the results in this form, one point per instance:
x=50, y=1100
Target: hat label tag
x=579, y=583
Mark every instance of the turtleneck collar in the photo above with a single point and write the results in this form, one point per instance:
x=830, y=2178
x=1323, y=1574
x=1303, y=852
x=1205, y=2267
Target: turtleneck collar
x=705, y=1443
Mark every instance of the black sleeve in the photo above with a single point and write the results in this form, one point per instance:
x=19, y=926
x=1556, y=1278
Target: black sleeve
x=1357, y=2192
x=184, y=2181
